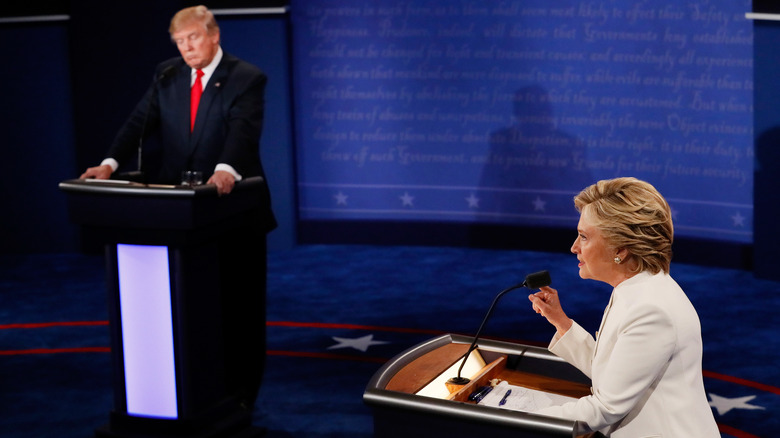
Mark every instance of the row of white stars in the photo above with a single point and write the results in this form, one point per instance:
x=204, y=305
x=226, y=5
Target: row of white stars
x=407, y=200
x=539, y=205
x=722, y=404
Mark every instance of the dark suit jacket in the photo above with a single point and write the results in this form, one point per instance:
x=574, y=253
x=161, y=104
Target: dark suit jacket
x=227, y=128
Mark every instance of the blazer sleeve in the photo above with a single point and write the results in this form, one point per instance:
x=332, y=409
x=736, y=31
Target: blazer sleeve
x=645, y=344
x=245, y=121
x=576, y=347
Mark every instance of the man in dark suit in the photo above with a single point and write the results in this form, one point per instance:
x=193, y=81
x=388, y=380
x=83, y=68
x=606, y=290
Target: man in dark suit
x=221, y=138
x=207, y=108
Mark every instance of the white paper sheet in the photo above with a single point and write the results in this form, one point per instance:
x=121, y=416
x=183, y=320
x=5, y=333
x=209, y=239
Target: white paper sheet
x=523, y=399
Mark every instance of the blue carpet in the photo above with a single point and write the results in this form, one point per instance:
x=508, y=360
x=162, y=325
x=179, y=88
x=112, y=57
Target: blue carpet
x=55, y=379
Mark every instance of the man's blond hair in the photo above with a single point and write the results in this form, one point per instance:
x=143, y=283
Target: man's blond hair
x=194, y=14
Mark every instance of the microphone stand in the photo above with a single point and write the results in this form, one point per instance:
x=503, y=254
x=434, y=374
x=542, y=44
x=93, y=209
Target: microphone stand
x=166, y=73
x=143, y=130
x=464, y=380
x=532, y=281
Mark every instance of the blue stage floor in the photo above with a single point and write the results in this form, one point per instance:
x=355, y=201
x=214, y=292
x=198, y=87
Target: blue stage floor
x=336, y=313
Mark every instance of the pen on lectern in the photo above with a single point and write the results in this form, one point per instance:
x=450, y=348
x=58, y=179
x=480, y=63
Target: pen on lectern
x=479, y=394
x=503, y=400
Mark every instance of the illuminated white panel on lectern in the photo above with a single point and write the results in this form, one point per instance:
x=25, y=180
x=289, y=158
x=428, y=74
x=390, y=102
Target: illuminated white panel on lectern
x=147, y=330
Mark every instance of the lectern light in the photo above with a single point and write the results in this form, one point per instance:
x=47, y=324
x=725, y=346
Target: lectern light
x=147, y=330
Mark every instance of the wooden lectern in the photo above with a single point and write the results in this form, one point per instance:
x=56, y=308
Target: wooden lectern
x=180, y=264
x=400, y=412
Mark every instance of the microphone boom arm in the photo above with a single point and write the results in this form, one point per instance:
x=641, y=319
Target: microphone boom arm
x=463, y=380
x=166, y=73
x=532, y=281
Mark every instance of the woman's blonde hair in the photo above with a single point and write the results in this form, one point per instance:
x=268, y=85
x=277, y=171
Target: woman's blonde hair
x=631, y=214
x=194, y=14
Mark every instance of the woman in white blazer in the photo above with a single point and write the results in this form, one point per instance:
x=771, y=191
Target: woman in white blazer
x=645, y=360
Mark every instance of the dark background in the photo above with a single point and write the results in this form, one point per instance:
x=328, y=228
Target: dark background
x=72, y=81
x=74, y=72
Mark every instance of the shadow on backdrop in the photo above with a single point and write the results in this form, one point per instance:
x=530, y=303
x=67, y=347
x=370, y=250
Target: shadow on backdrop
x=530, y=156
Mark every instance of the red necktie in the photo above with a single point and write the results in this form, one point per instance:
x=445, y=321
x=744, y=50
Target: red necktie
x=195, y=93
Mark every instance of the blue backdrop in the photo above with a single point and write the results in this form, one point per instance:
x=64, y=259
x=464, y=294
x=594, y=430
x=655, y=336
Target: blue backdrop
x=500, y=112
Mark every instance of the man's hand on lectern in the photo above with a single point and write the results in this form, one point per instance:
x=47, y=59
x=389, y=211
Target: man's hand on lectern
x=98, y=172
x=223, y=180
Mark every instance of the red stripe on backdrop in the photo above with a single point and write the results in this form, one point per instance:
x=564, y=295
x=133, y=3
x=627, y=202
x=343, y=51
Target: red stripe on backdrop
x=55, y=351
x=743, y=382
x=52, y=324
x=735, y=432
x=269, y=323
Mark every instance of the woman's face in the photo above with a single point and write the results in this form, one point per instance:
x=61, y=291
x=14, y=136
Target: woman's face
x=597, y=259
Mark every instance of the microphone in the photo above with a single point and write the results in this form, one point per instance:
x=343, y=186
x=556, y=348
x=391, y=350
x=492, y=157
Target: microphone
x=167, y=73
x=532, y=281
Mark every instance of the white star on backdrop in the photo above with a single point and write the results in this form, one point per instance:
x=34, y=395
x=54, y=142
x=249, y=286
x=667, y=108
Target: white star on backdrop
x=724, y=404
x=407, y=199
x=341, y=198
x=361, y=343
x=739, y=220
x=473, y=201
x=539, y=204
